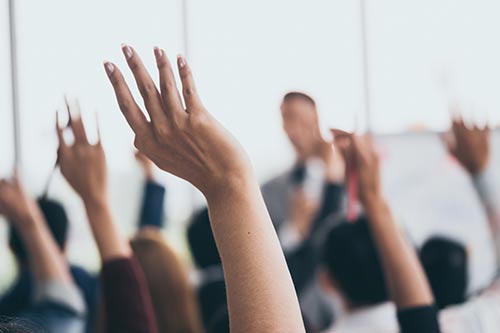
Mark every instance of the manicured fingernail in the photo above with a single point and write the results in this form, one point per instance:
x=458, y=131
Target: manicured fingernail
x=127, y=51
x=109, y=67
x=158, y=53
x=181, y=61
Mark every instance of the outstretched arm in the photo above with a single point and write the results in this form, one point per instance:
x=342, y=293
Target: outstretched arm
x=191, y=144
x=471, y=147
x=127, y=301
x=405, y=277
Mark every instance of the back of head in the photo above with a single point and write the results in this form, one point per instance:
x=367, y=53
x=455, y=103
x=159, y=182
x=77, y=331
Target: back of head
x=352, y=262
x=57, y=221
x=201, y=241
x=445, y=263
x=173, y=297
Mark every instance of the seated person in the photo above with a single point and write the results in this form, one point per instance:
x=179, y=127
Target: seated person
x=445, y=264
x=19, y=295
x=55, y=304
x=354, y=278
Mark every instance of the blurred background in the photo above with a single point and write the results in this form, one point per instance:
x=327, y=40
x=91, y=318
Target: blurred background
x=422, y=56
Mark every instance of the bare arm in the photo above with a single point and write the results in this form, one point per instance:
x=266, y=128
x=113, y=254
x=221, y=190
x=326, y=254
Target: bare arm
x=191, y=144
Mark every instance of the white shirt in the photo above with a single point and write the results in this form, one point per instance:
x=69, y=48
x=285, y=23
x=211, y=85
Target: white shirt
x=379, y=318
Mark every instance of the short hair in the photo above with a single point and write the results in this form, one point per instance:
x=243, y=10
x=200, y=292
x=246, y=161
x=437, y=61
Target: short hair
x=201, y=241
x=352, y=261
x=57, y=221
x=445, y=263
x=298, y=95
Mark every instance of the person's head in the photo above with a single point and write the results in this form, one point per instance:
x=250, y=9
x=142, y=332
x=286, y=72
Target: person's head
x=445, y=263
x=352, y=267
x=301, y=123
x=172, y=295
x=201, y=241
x=57, y=221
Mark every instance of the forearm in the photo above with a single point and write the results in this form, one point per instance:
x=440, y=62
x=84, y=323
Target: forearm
x=45, y=259
x=110, y=242
x=405, y=277
x=261, y=296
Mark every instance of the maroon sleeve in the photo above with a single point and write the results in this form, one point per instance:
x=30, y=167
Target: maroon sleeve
x=127, y=301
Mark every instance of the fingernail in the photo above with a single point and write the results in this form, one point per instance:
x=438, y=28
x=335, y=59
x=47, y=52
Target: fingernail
x=127, y=51
x=158, y=53
x=181, y=61
x=109, y=67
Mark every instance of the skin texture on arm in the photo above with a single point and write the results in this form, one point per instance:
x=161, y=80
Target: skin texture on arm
x=46, y=261
x=192, y=145
x=405, y=277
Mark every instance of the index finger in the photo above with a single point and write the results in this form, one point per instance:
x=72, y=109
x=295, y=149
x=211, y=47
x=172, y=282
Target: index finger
x=128, y=106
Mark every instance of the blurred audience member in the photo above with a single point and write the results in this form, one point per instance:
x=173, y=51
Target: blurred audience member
x=173, y=297
x=471, y=147
x=19, y=295
x=55, y=303
x=315, y=180
x=127, y=303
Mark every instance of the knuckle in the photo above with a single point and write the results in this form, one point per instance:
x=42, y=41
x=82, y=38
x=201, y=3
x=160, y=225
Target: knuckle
x=148, y=89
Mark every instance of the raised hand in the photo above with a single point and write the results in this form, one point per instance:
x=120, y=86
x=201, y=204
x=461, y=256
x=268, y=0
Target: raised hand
x=190, y=144
x=469, y=145
x=187, y=142
x=82, y=164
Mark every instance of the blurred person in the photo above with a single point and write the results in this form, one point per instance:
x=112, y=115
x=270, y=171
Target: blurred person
x=211, y=289
x=470, y=145
x=18, y=296
x=404, y=277
x=56, y=304
x=316, y=180
x=446, y=265
x=191, y=144
x=173, y=297
x=354, y=279
x=127, y=303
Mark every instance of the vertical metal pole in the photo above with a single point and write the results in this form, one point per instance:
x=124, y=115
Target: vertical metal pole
x=366, y=68
x=15, y=86
x=185, y=28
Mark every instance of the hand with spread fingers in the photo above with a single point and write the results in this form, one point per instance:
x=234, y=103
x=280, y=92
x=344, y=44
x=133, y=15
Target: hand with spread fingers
x=469, y=145
x=187, y=142
x=191, y=144
x=82, y=164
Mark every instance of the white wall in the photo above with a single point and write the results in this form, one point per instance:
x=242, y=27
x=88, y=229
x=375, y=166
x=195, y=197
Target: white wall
x=245, y=55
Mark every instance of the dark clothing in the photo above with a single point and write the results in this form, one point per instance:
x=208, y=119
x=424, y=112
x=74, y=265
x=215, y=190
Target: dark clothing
x=18, y=297
x=419, y=320
x=127, y=302
x=152, y=205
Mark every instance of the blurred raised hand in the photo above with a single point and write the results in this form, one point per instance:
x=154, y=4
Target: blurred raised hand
x=470, y=145
x=187, y=142
x=15, y=203
x=82, y=164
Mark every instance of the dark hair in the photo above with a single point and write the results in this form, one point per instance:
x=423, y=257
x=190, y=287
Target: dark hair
x=352, y=261
x=298, y=95
x=201, y=240
x=57, y=221
x=445, y=263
